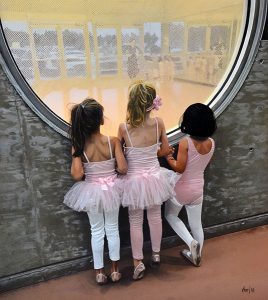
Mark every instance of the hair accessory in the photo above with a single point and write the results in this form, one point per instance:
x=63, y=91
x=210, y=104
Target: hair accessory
x=157, y=102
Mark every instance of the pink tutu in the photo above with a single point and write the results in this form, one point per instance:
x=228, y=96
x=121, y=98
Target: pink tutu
x=149, y=188
x=101, y=190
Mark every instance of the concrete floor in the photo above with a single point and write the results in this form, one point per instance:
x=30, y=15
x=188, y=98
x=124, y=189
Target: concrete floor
x=234, y=267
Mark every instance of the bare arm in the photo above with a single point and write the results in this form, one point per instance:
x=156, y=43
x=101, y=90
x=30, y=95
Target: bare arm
x=179, y=165
x=120, y=134
x=164, y=148
x=120, y=158
x=77, y=170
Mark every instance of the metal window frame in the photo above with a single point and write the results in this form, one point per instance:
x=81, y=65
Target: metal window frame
x=255, y=22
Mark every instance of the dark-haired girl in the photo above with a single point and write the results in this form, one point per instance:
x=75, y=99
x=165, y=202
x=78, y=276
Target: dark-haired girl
x=97, y=158
x=194, y=153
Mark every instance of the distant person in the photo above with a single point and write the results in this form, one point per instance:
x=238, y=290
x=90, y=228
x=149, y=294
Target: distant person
x=146, y=185
x=171, y=68
x=161, y=66
x=132, y=60
x=194, y=154
x=98, y=158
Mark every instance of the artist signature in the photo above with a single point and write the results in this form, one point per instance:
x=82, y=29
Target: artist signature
x=248, y=290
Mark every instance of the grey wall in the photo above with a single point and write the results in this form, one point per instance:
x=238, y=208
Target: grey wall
x=41, y=238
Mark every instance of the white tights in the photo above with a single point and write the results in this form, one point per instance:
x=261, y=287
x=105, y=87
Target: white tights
x=194, y=218
x=101, y=224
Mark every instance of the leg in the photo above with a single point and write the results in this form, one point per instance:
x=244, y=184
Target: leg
x=155, y=224
x=97, y=243
x=194, y=219
x=112, y=234
x=136, y=237
x=97, y=238
x=136, y=233
x=171, y=213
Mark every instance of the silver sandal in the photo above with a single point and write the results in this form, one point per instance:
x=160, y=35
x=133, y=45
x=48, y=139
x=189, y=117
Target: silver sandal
x=195, y=253
x=187, y=254
x=139, y=271
x=155, y=260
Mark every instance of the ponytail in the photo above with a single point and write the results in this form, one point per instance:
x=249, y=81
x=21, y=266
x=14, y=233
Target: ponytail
x=86, y=119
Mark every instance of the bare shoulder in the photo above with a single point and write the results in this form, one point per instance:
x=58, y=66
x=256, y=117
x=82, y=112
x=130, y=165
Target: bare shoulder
x=160, y=123
x=122, y=127
x=159, y=120
x=183, y=144
x=114, y=140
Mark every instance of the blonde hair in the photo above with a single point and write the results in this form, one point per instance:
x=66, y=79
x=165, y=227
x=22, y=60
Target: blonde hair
x=140, y=97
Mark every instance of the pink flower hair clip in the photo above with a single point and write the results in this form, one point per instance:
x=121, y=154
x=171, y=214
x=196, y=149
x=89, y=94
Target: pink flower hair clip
x=157, y=102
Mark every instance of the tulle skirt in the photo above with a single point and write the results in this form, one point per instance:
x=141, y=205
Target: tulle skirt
x=95, y=197
x=143, y=190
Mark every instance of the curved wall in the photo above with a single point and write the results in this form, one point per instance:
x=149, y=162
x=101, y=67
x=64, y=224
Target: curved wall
x=41, y=238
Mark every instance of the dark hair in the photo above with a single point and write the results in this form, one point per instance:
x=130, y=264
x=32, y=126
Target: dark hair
x=86, y=119
x=199, y=121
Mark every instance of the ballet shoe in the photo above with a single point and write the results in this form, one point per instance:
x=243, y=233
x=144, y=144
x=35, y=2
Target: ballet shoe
x=139, y=271
x=195, y=253
x=101, y=279
x=155, y=260
x=115, y=276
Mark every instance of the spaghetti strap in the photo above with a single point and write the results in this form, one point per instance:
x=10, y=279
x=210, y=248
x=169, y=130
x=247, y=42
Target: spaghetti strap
x=213, y=144
x=86, y=156
x=157, y=131
x=128, y=135
x=110, y=148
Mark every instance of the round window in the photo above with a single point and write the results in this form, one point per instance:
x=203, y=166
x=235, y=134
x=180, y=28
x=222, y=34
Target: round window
x=66, y=51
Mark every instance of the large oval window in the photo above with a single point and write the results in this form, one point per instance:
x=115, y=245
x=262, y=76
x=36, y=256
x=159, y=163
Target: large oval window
x=67, y=51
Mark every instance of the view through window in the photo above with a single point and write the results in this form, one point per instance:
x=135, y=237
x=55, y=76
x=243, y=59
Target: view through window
x=70, y=49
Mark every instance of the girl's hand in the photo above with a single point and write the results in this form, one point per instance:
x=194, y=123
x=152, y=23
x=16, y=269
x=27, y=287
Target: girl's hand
x=169, y=157
x=171, y=150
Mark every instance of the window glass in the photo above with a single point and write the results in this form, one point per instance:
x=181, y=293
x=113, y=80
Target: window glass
x=68, y=50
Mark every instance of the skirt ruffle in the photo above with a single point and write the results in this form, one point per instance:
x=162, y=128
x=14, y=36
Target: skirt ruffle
x=144, y=190
x=94, y=197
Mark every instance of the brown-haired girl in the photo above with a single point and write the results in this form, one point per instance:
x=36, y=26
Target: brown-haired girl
x=97, y=158
x=146, y=185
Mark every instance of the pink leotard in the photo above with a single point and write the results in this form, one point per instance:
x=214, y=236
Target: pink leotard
x=189, y=188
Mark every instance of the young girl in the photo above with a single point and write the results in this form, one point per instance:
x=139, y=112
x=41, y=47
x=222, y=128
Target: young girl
x=146, y=185
x=97, y=157
x=194, y=154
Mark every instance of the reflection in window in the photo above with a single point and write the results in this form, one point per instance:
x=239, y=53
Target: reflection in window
x=67, y=51
x=17, y=33
x=74, y=50
x=152, y=38
x=92, y=51
x=107, y=48
x=176, y=37
x=47, y=52
x=196, y=39
x=131, y=49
